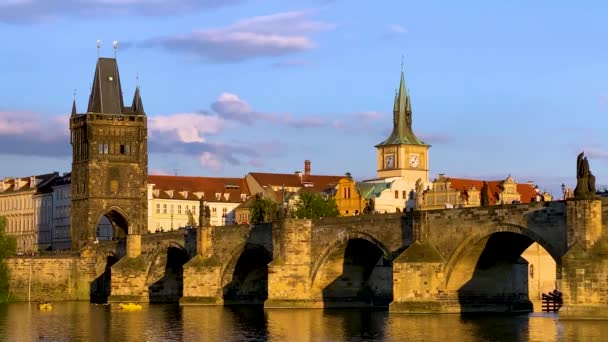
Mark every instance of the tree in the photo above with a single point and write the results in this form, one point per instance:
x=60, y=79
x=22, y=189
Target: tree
x=263, y=210
x=8, y=247
x=485, y=201
x=313, y=205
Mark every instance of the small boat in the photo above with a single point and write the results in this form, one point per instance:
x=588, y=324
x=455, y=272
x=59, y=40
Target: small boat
x=130, y=306
x=45, y=306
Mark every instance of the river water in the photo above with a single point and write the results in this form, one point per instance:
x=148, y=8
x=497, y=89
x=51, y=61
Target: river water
x=81, y=321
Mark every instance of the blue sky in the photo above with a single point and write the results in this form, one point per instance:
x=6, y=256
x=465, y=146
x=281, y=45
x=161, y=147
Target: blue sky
x=235, y=86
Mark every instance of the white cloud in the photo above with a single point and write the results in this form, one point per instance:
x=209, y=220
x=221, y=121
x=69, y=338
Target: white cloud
x=185, y=127
x=20, y=11
x=231, y=107
x=33, y=124
x=263, y=36
x=211, y=161
x=397, y=29
x=29, y=133
x=596, y=152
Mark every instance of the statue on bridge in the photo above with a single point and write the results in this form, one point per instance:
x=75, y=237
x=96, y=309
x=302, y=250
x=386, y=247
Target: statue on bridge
x=585, y=180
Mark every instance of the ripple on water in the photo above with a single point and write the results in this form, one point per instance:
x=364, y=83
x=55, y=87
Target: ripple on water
x=81, y=321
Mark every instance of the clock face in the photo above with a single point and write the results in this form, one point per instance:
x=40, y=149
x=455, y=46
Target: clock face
x=389, y=161
x=414, y=160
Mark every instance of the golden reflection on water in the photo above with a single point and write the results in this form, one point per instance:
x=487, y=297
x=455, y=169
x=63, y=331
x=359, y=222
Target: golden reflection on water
x=81, y=321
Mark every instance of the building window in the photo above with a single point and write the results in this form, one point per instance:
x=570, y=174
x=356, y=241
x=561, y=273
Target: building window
x=106, y=149
x=127, y=149
x=158, y=208
x=348, y=192
x=397, y=194
x=179, y=209
x=164, y=208
x=122, y=149
x=403, y=194
x=100, y=148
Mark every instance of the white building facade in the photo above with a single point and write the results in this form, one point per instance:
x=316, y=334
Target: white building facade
x=25, y=206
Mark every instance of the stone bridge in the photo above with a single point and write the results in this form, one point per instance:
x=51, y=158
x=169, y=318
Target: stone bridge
x=451, y=260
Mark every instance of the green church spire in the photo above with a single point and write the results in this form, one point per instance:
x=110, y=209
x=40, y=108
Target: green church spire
x=402, y=118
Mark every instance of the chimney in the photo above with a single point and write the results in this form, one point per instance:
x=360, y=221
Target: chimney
x=307, y=167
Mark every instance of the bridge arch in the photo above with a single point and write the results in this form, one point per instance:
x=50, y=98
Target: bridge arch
x=118, y=218
x=244, y=278
x=354, y=270
x=479, y=235
x=100, y=287
x=165, y=274
x=344, y=237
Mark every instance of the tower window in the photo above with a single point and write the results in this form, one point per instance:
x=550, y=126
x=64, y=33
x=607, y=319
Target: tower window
x=122, y=149
x=397, y=194
x=106, y=149
x=127, y=149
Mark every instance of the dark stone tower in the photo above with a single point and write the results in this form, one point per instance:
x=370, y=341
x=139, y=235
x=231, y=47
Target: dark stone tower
x=109, y=160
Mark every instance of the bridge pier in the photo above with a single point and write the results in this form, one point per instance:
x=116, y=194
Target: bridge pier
x=289, y=284
x=129, y=275
x=584, y=282
x=418, y=279
x=203, y=273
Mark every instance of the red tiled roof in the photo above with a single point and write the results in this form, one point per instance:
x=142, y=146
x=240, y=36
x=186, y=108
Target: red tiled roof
x=306, y=183
x=209, y=185
x=11, y=182
x=319, y=182
x=527, y=191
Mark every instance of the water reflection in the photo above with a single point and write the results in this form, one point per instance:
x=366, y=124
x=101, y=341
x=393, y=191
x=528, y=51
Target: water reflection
x=81, y=321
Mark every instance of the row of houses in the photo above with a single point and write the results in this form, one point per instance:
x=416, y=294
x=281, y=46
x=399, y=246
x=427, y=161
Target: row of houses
x=37, y=208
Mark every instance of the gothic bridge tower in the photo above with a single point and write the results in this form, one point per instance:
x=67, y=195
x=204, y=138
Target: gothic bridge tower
x=109, y=161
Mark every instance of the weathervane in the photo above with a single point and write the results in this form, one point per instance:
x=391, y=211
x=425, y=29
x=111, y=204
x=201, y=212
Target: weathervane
x=98, y=47
x=401, y=62
x=115, y=43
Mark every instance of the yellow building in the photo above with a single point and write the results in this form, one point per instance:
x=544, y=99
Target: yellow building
x=448, y=192
x=348, y=199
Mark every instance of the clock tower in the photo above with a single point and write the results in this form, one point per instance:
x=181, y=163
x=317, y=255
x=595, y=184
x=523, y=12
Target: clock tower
x=402, y=154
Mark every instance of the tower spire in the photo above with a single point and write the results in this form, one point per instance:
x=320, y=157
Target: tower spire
x=137, y=105
x=402, y=117
x=74, y=112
